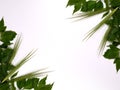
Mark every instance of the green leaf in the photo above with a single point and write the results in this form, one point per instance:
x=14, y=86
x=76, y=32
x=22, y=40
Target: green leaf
x=112, y=34
x=73, y=2
x=2, y=27
x=91, y=5
x=3, y=71
x=84, y=7
x=35, y=81
x=77, y=4
x=76, y=7
x=29, y=84
x=8, y=36
x=117, y=63
x=115, y=3
x=21, y=83
x=43, y=81
x=46, y=87
x=112, y=53
x=98, y=5
x=4, y=86
x=43, y=86
x=6, y=55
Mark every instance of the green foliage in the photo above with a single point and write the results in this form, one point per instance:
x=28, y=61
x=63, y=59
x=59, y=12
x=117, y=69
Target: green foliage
x=34, y=83
x=112, y=53
x=111, y=17
x=117, y=63
x=8, y=72
x=85, y=6
x=2, y=26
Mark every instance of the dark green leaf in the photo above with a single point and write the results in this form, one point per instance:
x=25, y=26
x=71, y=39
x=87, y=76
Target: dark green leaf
x=91, y=5
x=35, y=81
x=98, y=5
x=116, y=43
x=3, y=71
x=46, y=87
x=77, y=7
x=31, y=83
x=2, y=27
x=4, y=86
x=21, y=83
x=117, y=63
x=84, y=7
x=43, y=86
x=115, y=3
x=72, y=2
x=112, y=53
x=8, y=36
x=6, y=55
x=112, y=34
x=43, y=81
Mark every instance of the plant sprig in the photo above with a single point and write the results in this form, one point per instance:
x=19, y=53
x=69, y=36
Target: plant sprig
x=111, y=14
x=8, y=72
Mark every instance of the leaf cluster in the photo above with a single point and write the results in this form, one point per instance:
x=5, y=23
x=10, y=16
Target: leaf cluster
x=85, y=6
x=34, y=83
x=8, y=71
x=111, y=17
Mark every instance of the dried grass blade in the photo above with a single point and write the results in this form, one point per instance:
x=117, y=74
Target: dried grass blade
x=30, y=75
x=16, y=47
x=91, y=32
x=104, y=40
x=23, y=61
x=87, y=14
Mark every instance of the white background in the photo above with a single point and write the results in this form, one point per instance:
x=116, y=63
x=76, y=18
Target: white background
x=44, y=24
